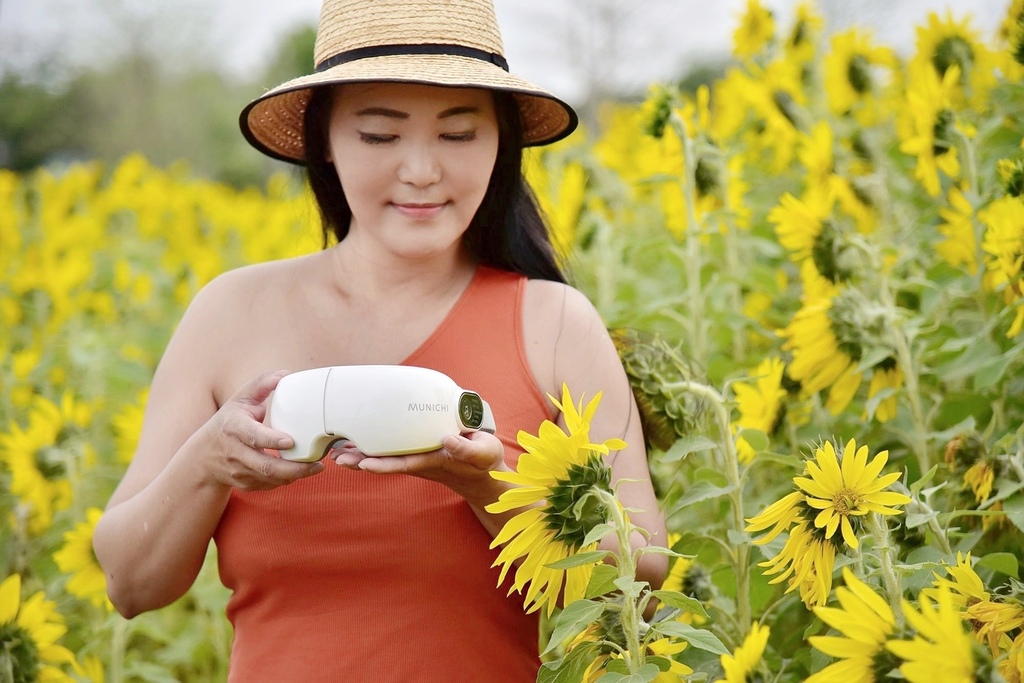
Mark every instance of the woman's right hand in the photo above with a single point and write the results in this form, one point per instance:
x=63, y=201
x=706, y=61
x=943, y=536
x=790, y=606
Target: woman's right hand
x=236, y=442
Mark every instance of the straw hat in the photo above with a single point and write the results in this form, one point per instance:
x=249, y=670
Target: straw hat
x=435, y=42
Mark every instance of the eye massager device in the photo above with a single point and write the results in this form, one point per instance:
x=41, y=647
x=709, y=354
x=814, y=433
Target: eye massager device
x=382, y=409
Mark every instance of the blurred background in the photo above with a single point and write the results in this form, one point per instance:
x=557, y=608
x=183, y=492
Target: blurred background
x=167, y=78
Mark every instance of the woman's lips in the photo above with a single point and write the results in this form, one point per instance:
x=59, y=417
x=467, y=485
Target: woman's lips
x=419, y=211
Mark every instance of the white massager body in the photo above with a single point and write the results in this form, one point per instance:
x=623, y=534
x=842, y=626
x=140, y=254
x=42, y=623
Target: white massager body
x=382, y=409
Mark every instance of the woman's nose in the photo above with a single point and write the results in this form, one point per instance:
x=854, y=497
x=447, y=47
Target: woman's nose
x=420, y=166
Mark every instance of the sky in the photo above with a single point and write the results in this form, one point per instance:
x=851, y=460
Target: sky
x=562, y=45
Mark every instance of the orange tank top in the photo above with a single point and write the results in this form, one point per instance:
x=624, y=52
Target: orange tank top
x=349, y=576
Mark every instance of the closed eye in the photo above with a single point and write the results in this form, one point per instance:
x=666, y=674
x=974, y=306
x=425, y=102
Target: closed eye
x=375, y=139
x=459, y=137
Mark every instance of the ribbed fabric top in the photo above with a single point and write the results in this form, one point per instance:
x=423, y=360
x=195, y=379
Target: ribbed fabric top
x=349, y=576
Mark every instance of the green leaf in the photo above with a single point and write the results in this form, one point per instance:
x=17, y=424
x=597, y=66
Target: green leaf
x=661, y=550
x=925, y=478
x=1004, y=563
x=646, y=673
x=573, y=620
x=602, y=581
x=630, y=588
x=597, y=533
x=757, y=439
x=579, y=559
x=571, y=668
x=683, y=602
x=1014, y=510
x=698, y=637
x=790, y=461
x=687, y=445
x=989, y=374
x=702, y=491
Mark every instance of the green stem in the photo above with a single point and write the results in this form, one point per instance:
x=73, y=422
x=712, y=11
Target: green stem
x=891, y=580
x=732, y=264
x=970, y=165
x=118, y=645
x=629, y=616
x=920, y=434
x=695, y=296
x=741, y=557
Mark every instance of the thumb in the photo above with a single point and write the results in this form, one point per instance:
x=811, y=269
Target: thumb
x=255, y=391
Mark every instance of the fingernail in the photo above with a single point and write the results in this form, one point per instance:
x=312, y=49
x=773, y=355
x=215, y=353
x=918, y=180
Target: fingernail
x=284, y=442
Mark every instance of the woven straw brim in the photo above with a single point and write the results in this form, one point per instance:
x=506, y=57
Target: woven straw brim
x=273, y=123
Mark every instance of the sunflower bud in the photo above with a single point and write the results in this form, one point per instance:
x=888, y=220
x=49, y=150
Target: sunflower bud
x=657, y=110
x=964, y=450
x=858, y=73
x=651, y=364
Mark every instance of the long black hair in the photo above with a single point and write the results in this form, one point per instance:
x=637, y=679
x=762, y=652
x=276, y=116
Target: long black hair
x=507, y=231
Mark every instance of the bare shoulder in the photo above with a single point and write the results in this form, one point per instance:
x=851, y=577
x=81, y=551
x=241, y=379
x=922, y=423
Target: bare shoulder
x=565, y=337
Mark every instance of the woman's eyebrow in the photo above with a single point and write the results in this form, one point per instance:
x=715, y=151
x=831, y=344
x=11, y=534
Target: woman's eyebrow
x=382, y=111
x=395, y=114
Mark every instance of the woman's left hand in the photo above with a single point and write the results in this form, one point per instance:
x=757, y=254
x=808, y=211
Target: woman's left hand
x=463, y=464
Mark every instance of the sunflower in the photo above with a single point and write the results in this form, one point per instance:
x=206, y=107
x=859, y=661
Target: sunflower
x=959, y=248
x=555, y=475
x=760, y=403
x=801, y=44
x=940, y=650
x=991, y=620
x=1003, y=245
x=945, y=44
x=76, y=558
x=38, y=475
x=865, y=621
x=847, y=489
x=834, y=328
x=756, y=30
x=965, y=588
x=805, y=227
x=929, y=132
x=851, y=68
x=807, y=558
x=29, y=632
x=739, y=666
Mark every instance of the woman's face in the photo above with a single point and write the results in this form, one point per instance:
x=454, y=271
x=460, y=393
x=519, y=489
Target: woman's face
x=414, y=161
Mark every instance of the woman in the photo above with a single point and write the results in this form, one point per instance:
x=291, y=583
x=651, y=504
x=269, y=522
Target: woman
x=360, y=568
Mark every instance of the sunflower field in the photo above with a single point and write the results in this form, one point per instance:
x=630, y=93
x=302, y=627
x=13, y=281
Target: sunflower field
x=813, y=270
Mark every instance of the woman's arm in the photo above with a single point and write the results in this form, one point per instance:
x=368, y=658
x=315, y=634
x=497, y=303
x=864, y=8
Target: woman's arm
x=561, y=324
x=153, y=537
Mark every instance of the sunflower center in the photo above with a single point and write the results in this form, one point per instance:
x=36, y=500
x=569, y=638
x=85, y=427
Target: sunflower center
x=786, y=105
x=953, y=50
x=858, y=72
x=942, y=132
x=845, y=500
x=571, y=514
x=18, y=654
x=706, y=177
x=50, y=464
x=827, y=254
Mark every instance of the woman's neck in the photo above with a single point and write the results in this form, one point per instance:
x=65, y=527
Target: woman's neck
x=356, y=271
